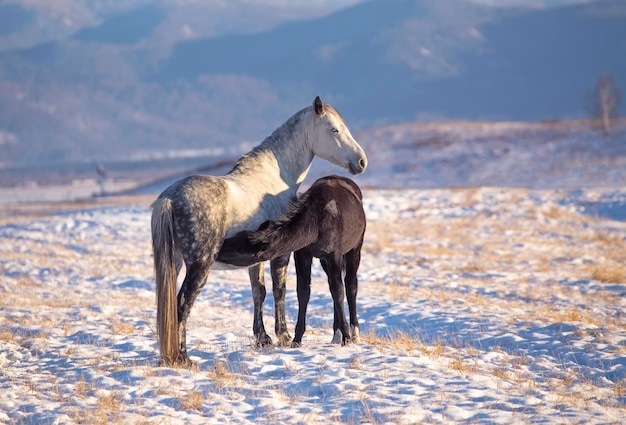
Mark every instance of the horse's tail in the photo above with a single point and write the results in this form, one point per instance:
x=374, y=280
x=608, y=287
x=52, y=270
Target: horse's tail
x=253, y=246
x=165, y=270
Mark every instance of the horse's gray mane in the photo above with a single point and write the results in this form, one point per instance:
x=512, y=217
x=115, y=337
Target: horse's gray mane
x=275, y=141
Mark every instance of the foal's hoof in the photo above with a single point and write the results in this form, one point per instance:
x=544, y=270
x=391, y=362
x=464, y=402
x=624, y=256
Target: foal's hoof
x=349, y=341
x=356, y=335
x=337, y=337
x=296, y=344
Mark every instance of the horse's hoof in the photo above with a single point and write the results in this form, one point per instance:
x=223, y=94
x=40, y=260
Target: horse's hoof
x=337, y=337
x=284, y=340
x=182, y=361
x=263, y=341
x=296, y=344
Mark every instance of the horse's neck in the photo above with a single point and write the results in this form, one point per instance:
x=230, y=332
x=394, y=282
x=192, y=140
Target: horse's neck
x=285, y=155
x=293, y=155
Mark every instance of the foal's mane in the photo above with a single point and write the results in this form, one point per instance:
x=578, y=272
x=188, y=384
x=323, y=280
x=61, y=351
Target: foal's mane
x=300, y=206
x=296, y=207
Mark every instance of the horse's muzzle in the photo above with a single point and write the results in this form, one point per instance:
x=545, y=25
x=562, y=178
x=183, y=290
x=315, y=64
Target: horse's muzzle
x=357, y=167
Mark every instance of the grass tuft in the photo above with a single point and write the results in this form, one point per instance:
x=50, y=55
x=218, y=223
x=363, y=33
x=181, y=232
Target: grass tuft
x=193, y=400
x=609, y=273
x=222, y=375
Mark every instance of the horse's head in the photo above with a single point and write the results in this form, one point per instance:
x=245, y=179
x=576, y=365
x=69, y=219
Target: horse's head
x=333, y=141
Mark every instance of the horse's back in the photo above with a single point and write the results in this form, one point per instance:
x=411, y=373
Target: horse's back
x=200, y=209
x=342, y=220
x=208, y=209
x=334, y=182
x=197, y=189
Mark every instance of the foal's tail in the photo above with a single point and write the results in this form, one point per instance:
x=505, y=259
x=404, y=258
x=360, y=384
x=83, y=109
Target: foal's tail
x=253, y=246
x=165, y=270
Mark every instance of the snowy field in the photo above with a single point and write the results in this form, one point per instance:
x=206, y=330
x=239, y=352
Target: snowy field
x=480, y=304
x=488, y=305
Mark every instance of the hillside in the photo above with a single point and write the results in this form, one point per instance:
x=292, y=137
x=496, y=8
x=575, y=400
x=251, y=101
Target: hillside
x=566, y=154
x=154, y=77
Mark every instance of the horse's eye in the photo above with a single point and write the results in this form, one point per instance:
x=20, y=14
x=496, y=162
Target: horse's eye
x=334, y=130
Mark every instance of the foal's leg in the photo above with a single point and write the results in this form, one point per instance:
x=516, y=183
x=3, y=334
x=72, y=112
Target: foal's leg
x=303, y=271
x=278, y=267
x=333, y=269
x=195, y=279
x=257, y=282
x=353, y=259
x=328, y=271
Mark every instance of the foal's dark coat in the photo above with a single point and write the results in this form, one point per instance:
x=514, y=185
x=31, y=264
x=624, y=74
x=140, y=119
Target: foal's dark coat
x=327, y=222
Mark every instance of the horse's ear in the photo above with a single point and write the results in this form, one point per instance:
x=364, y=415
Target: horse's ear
x=318, y=105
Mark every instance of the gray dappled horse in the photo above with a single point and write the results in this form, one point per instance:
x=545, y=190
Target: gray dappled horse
x=193, y=216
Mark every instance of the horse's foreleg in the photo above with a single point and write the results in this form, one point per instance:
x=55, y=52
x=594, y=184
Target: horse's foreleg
x=303, y=272
x=257, y=282
x=278, y=267
x=195, y=279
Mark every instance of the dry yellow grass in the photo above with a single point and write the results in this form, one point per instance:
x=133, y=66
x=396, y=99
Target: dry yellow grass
x=396, y=340
x=192, y=400
x=6, y=336
x=110, y=401
x=122, y=328
x=18, y=213
x=461, y=365
x=108, y=410
x=620, y=388
x=222, y=375
x=501, y=373
x=608, y=273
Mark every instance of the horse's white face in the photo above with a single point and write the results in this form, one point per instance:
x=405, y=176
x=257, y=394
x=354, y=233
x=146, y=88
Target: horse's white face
x=333, y=141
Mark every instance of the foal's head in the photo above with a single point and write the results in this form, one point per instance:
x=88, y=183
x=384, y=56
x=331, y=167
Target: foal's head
x=333, y=141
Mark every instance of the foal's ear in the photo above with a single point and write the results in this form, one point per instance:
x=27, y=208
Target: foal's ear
x=318, y=105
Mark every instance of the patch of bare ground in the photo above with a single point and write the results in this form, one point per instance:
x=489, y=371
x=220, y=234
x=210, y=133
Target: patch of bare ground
x=21, y=212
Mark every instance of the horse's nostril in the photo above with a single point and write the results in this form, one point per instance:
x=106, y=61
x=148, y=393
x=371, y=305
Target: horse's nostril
x=362, y=163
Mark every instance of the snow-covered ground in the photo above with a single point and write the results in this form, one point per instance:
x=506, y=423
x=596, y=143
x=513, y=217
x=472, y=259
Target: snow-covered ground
x=477, y=305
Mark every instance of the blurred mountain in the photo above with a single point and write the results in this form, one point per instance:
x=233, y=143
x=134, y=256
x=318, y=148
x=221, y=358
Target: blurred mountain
x=127, y=81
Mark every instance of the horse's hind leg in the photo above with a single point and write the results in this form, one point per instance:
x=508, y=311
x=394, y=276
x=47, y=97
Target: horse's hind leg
x=257, y=282
x=178, y=262
x=303, y=272
x=278, y=267
x=195, y=279
x=352, y=261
